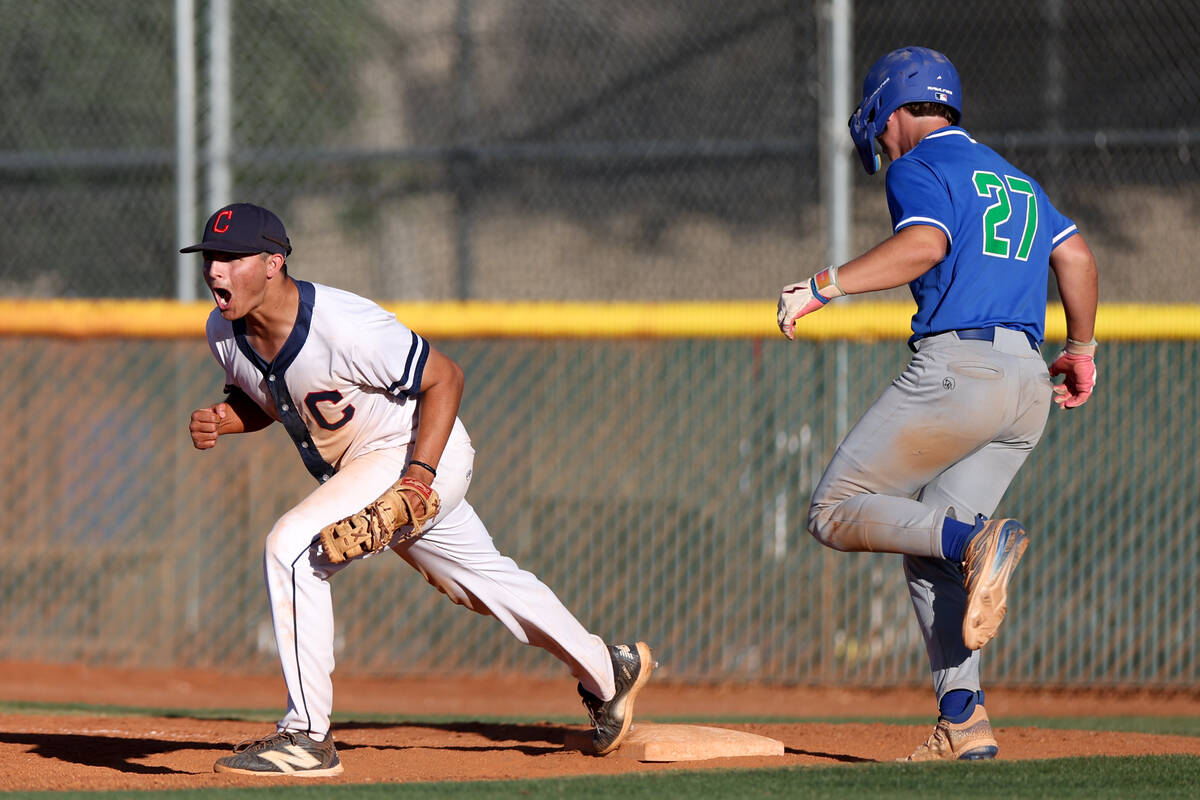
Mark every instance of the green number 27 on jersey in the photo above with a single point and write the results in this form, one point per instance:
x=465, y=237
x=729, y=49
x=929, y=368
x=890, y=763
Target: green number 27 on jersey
x=989, y=184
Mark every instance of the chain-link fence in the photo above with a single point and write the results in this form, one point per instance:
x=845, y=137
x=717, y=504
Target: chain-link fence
x=660, y=487
x=560, y=149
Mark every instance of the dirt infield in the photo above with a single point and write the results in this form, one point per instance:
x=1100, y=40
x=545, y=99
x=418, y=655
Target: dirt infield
x=74, y=752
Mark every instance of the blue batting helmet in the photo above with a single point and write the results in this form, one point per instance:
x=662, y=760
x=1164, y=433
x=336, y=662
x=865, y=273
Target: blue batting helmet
x=907, y=75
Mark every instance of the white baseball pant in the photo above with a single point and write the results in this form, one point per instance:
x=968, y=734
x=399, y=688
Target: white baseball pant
x=456, y=554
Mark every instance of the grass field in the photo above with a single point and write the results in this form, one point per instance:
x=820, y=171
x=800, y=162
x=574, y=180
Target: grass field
x=1147, y=777
x=1087, y=777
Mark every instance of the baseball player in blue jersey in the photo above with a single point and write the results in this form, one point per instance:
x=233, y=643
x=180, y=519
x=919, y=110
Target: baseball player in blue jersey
x=372, y=408
x=924, y=469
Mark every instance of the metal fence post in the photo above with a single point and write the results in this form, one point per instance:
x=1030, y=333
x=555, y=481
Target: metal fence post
x=220, y=103
x=462, y=157
x=185, y=145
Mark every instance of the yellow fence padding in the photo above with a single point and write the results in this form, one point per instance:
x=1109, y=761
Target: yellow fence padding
x=861, y=320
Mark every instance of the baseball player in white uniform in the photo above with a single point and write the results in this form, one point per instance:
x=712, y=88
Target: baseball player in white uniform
x=366, y=401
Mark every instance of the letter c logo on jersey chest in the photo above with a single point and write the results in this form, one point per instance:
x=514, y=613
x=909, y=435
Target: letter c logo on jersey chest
x=312, y=399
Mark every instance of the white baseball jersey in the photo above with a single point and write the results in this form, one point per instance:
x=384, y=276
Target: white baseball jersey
x=344, y=383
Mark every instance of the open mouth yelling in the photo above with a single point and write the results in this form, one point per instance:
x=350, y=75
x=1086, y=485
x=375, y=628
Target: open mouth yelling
x=222, y=297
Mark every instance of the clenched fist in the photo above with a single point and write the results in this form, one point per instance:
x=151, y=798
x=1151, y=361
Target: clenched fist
x=206, y=423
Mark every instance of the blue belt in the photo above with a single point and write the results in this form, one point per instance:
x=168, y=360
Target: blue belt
x=989, y=335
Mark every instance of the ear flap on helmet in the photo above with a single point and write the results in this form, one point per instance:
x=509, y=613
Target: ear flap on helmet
x=863, y=130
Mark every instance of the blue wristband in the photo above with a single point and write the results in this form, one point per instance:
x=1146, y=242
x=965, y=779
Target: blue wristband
x=812, y=287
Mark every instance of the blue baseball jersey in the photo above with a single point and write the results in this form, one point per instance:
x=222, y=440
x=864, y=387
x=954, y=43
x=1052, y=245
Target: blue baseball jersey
x=1000, y=228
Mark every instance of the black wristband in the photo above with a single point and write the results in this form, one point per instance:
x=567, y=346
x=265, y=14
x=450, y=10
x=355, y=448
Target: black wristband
x=423, y=465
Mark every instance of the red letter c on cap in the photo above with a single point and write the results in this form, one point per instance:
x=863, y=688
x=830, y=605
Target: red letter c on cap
x=225, y=216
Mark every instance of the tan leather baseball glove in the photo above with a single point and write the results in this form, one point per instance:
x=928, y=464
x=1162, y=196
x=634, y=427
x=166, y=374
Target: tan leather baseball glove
x=371, y=529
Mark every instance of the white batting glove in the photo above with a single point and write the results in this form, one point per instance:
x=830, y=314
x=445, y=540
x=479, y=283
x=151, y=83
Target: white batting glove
x=805, y=297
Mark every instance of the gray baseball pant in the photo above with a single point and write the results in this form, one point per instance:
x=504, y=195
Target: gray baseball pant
x=945, y=439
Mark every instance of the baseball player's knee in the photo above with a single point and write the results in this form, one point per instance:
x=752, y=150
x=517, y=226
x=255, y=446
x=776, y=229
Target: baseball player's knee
x=823, y=527
x=457, y=593
x=291, y=535
x=441, y=579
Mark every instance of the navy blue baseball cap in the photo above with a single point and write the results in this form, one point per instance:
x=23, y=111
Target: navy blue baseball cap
x=243, y=228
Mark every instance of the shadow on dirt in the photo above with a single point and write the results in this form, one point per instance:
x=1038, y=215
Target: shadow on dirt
x=112, y=752
x=832, y=756
x=549, y=736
